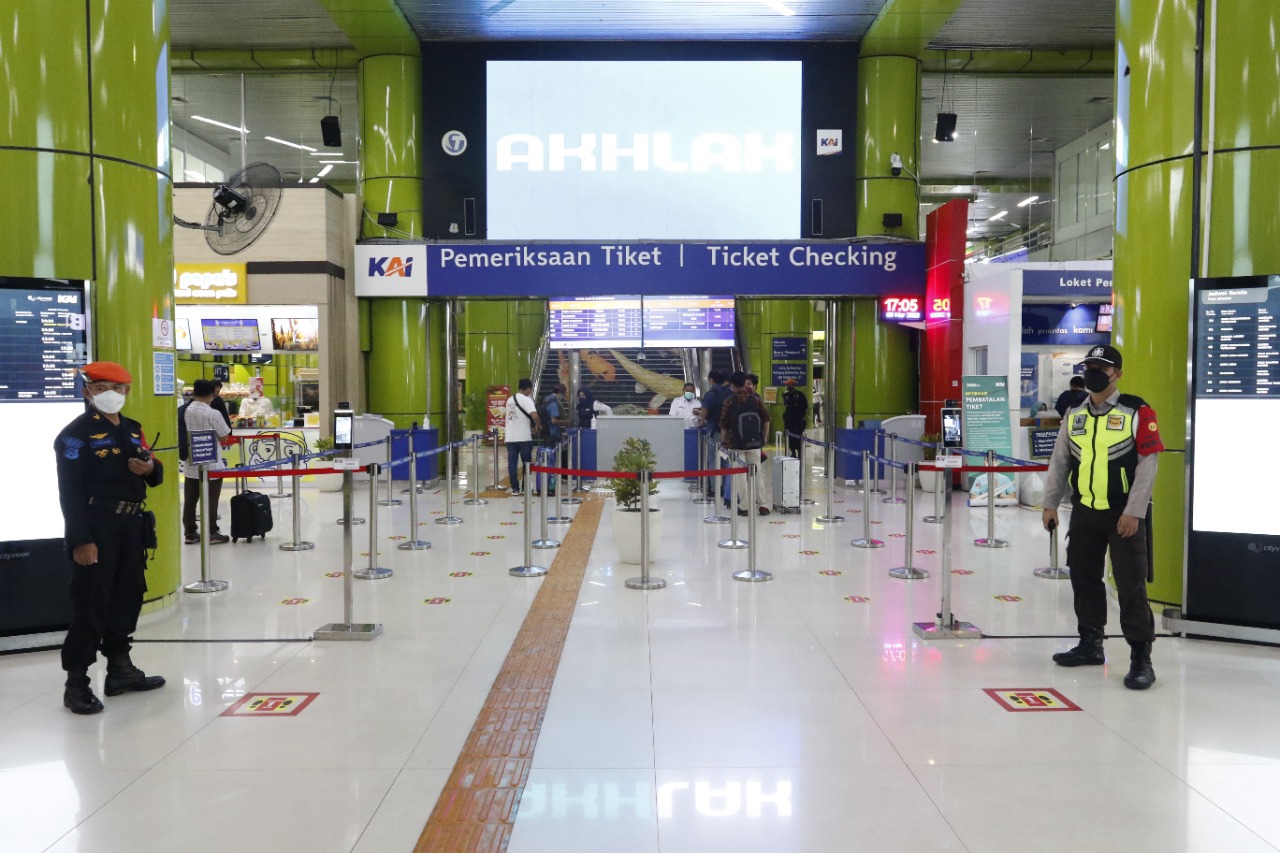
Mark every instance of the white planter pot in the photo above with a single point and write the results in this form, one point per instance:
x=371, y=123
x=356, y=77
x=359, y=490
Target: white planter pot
x=626, y=534
x=329, y=482
x=930, y=481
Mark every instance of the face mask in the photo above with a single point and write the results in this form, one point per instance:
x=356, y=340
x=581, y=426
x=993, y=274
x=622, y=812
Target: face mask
x=1096, y=380
x=109, y=402
x=688, y=395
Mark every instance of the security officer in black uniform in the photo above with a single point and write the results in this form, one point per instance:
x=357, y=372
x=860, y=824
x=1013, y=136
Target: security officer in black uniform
x=104, y=468
x=1106, y=456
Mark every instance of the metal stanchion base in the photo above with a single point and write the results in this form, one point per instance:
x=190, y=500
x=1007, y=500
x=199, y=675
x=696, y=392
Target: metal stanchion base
x=475, y=502
x=752, y=576
x=644, y=583
x=867, y=543
x=894, y=500
x=390, y=502
x=414, y=545
x=937, y=631
x=731, y=544
x=704, y=500
x=808, y=502
x=908, y=573
x=583, y=489
x=717, y=519
x=340, y=631
x=990, y=543
x=527, y=571
x=375, y=573
x=932, y=519
x=285, y=495
x=546, y=543
x=1053, y=574
x=406, y=491
x=559, y=519
x=297, y=546
x=573, y=501
x=356, y=521
x=877, y=491
x=830, y=519
x=207, y=586
x=449, y=519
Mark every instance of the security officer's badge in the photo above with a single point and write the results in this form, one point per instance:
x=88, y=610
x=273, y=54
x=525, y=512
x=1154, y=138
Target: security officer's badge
x=1077, y=424
x=71, y=447
x=1115, y=422
x=102, y=444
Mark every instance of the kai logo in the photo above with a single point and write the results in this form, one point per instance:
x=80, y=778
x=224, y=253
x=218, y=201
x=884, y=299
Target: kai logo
x=830, y=142
x=388, y=267
x=67, y=298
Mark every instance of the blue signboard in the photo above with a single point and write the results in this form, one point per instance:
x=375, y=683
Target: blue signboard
x=1062, y=324
x=656, y=269
x=790, y=349
x=162, y=373
x=1030, y=390
x=783, y=372
x=1066, y=283
x=1042, y=441
x=204, y=446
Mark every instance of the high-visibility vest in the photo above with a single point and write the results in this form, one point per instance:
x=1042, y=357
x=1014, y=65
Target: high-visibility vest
x=1104, y=452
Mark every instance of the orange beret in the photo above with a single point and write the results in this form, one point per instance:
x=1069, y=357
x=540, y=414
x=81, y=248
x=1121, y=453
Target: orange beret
x=789, y=382
x=106, y=371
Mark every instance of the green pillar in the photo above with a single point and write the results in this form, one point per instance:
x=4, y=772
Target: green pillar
x=91, y=116
x=888, y=124
x=1155, y=140
x=398, y=360
x=502, y=337
x=762, y=321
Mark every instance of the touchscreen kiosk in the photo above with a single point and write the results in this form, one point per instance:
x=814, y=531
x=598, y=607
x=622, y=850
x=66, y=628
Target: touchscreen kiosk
x=951, y=435
x=344, y=421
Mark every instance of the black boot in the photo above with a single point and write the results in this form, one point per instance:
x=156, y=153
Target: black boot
x=78, y=696
x=123, y=676
x=1141, y=675
x=1087, y=653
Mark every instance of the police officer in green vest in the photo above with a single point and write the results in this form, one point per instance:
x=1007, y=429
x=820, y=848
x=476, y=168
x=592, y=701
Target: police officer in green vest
x=1106, y=456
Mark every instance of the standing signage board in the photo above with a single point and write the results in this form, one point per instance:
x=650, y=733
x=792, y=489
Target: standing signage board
x=986, y=422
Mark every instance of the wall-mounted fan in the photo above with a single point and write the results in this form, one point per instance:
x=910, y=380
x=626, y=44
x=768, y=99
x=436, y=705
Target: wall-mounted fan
x=242, y=208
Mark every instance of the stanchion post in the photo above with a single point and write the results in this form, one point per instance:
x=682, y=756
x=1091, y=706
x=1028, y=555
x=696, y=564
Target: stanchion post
x=389, y=500
x=413, y=543
x=297, y=544
x=733, y=543
x=829, y=517
x=893, y=476
x=529, y=570
x=751, y=574
x=715, y=482
x=475, y=499
x=204, y=584
x=936, y=518
x=990, y=540
x=1052, y=572
x=374, y=572
x=347, y=629
x=644, y=581
x=448, y=517
x=874, y=484
x=804, y=472
x=544, y=540
x=573, y=482
x=705, y=481
x=577, y=462
x=947, y=627
x=866, y=541
x=496, y=486
x=280, y=492
x=907, y=571
x=547, y=479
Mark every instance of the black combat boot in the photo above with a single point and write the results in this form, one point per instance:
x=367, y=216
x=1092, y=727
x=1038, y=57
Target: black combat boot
x=78, y=696
x=1088, y=653
x=1141, y=675
x=123, y=676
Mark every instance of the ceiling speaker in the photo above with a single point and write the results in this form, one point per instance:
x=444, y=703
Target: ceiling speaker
x=946, y=129
x=332, y=132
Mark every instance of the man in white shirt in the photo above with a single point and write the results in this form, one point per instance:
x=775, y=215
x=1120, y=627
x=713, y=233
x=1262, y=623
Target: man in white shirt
x=522, y=417
x=202, y=416
x=686, y=406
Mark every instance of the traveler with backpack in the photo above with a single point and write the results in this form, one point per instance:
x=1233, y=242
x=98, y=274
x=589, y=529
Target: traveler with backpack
x=200, y=415
x=522, y=422
x=744, y=423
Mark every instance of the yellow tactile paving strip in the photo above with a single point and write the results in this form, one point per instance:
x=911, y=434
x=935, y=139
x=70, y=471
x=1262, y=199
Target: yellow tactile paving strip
x=477, y=808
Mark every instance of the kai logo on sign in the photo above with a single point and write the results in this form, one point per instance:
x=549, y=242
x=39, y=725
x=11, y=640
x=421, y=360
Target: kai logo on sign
x=830, y=142
x=385, y=266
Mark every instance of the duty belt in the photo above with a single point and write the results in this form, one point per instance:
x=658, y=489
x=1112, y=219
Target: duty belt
x=118, y=507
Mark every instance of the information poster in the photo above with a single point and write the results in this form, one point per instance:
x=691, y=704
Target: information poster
x=985, y=401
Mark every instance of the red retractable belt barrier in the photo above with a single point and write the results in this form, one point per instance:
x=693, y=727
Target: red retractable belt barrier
x=632, y=475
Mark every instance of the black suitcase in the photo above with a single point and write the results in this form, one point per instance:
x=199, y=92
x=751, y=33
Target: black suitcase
x=250, y=516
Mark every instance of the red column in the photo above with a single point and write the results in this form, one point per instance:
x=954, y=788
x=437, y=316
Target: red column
x=941, y=352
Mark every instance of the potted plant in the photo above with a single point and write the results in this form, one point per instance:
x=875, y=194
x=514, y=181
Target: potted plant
x=327, y=482
x=930, y=478
x=475, y=411
x=636, y=454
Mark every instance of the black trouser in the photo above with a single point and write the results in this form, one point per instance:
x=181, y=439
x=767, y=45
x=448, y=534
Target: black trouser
x=191, y=503
x=794, y=433
x=106, y=597
x=1091, y=534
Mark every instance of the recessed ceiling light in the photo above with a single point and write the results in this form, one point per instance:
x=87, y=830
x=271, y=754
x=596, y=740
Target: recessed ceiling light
x=326, y=170
x=290, y=144
x=1026, y=201
x=234, y=127
x=1001, y=215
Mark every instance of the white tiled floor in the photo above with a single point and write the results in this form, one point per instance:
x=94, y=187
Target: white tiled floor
x=711, y=715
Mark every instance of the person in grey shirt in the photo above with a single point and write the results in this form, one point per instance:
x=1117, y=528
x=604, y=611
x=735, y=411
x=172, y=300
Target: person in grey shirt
x=200, y=415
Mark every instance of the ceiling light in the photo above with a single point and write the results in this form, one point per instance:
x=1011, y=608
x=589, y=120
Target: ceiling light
x=778, y=7
x=314, y=181
x=326, y=170
x=234, y=127
x=195, y=175
x=1000, y=215
x=1104, y=146
x=342, y=162
x=1027, y=201
x=290, y=144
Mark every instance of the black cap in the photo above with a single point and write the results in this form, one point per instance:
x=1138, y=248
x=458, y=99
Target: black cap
x=1107, y=355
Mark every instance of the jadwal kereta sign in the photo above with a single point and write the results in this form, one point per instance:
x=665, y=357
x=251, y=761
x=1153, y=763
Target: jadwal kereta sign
x=650, y=269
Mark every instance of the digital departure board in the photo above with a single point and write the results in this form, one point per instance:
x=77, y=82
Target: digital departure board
x=42, y=341
x=1233, y=545
x=596, y=322
x=688, y=321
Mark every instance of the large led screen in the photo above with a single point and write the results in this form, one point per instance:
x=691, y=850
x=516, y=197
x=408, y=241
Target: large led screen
x=688, y=321
x=595, y=322
x=688, y=150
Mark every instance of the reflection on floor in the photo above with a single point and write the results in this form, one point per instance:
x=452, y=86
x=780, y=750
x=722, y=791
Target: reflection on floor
x=801, y=714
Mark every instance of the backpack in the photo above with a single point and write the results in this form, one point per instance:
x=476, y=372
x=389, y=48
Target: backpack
x=184, y=443
x=544, y=415
x=748, y=427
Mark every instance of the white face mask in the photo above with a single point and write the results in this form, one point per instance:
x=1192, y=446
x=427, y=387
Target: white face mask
x=108, y=402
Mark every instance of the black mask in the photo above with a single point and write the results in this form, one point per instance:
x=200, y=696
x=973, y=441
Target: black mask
x=1096, y=380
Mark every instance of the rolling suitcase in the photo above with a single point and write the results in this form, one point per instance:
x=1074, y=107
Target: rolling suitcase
x=786, y=483
x=250, y=516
